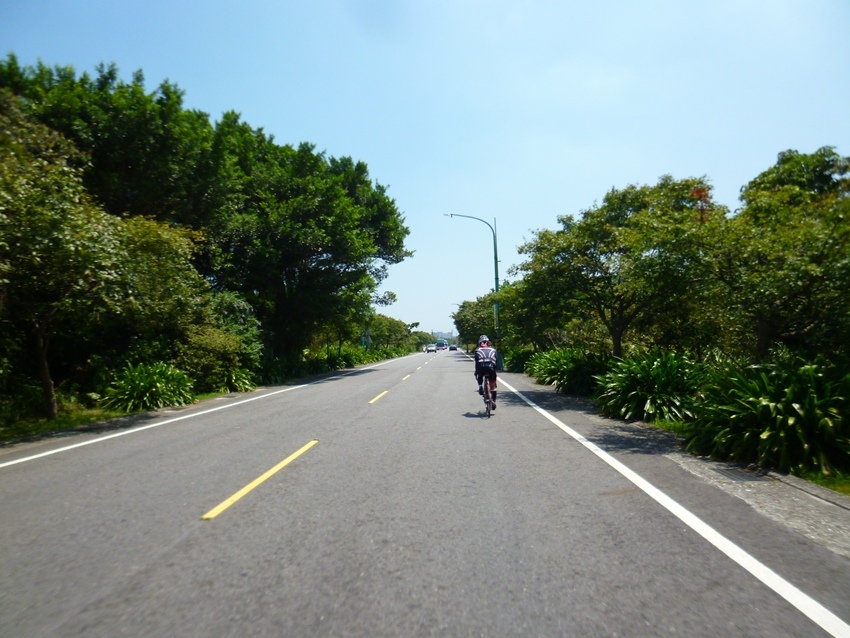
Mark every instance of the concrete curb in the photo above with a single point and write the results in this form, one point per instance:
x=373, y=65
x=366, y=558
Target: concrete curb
x=812, y=489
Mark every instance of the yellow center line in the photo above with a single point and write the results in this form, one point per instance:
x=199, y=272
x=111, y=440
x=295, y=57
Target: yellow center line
x=406, y=378
x=379, y=396
x=224, y=505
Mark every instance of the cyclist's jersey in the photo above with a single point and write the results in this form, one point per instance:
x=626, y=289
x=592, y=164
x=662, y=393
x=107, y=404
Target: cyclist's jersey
x=485, y=356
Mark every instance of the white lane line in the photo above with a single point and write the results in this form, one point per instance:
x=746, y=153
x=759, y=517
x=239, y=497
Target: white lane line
x=185, y=416
x=816, y=612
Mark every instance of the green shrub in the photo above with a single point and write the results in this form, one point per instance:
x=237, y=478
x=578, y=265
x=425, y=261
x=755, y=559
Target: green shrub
x=148, y=387
x=210, y=356
x=570, y=370
x=655, y=386
x=792, y=418
x=238, y=380
x=517, y=358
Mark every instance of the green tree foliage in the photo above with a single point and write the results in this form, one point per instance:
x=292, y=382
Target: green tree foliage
x=626, y=261
x=233, y=315
x=146, y=154
x=419, y=339
x=474, y=318
x=784, y=260
x=386, y=332
x=59, y=253
x=302, y=241
x=307, y=240
x=69, y=268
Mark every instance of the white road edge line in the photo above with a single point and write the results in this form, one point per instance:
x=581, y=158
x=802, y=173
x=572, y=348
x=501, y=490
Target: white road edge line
x=816, y=612
x=185, y=416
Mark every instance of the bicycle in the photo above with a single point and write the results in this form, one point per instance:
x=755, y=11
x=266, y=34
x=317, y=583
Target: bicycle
x=488, y=401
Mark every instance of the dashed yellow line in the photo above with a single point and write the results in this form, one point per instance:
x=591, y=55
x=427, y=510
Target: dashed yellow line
x=379, y=396
x=406, y=378
x=224, y=505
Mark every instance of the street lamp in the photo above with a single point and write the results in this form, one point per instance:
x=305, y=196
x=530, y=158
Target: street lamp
x=492, y=228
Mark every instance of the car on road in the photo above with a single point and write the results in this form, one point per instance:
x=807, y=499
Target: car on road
x=453, y=346
x=431, y=347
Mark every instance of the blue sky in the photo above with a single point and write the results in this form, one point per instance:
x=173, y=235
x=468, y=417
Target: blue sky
x=518, y=111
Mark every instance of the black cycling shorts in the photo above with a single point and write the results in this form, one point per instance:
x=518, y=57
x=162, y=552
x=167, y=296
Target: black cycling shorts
x=489, y=371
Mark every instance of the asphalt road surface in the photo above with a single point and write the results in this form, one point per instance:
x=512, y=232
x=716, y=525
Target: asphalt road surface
x=381, y=502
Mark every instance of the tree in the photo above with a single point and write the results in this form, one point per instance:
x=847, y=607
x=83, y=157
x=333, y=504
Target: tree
x=306, y=240
x=147, y=155
x=59, y=254
x=625, y=261
x=474, y=318
x=388, y=332
x=69, y=268
x=784, y=260
x=419, y=339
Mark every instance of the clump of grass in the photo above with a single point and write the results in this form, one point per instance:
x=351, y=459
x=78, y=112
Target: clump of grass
x=838, y=483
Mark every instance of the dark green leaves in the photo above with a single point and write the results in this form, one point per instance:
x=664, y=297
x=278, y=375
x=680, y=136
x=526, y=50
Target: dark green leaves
x=650, y=387
x=790, y=417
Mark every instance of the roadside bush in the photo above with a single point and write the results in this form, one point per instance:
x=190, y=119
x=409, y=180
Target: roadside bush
x=787, y=417
x=238, y=380
x=211, y=357
x=149, y=387
x=517, y=358
x=570, y=370
x=654, y=386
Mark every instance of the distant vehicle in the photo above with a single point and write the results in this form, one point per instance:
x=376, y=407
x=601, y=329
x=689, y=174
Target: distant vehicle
x=442, y=344
x=432, y=347
x=453, y=346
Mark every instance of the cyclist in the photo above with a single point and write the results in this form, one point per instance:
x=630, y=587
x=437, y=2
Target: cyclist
x=485, y=364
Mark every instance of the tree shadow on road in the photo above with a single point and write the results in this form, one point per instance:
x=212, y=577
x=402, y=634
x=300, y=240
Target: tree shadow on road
x=610, y=434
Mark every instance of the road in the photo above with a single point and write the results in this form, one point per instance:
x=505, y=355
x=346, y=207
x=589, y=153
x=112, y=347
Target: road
x=406, y=513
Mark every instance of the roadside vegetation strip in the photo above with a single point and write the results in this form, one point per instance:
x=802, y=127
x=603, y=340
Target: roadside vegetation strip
x=256, y=482
x=181, y=418
x=804, y=603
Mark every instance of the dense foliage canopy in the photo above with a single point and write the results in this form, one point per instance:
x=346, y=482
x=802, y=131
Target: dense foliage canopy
x=664, y=265
x=125, y=220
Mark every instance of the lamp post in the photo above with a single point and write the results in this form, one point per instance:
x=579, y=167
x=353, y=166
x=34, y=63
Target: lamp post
x=492, y=228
